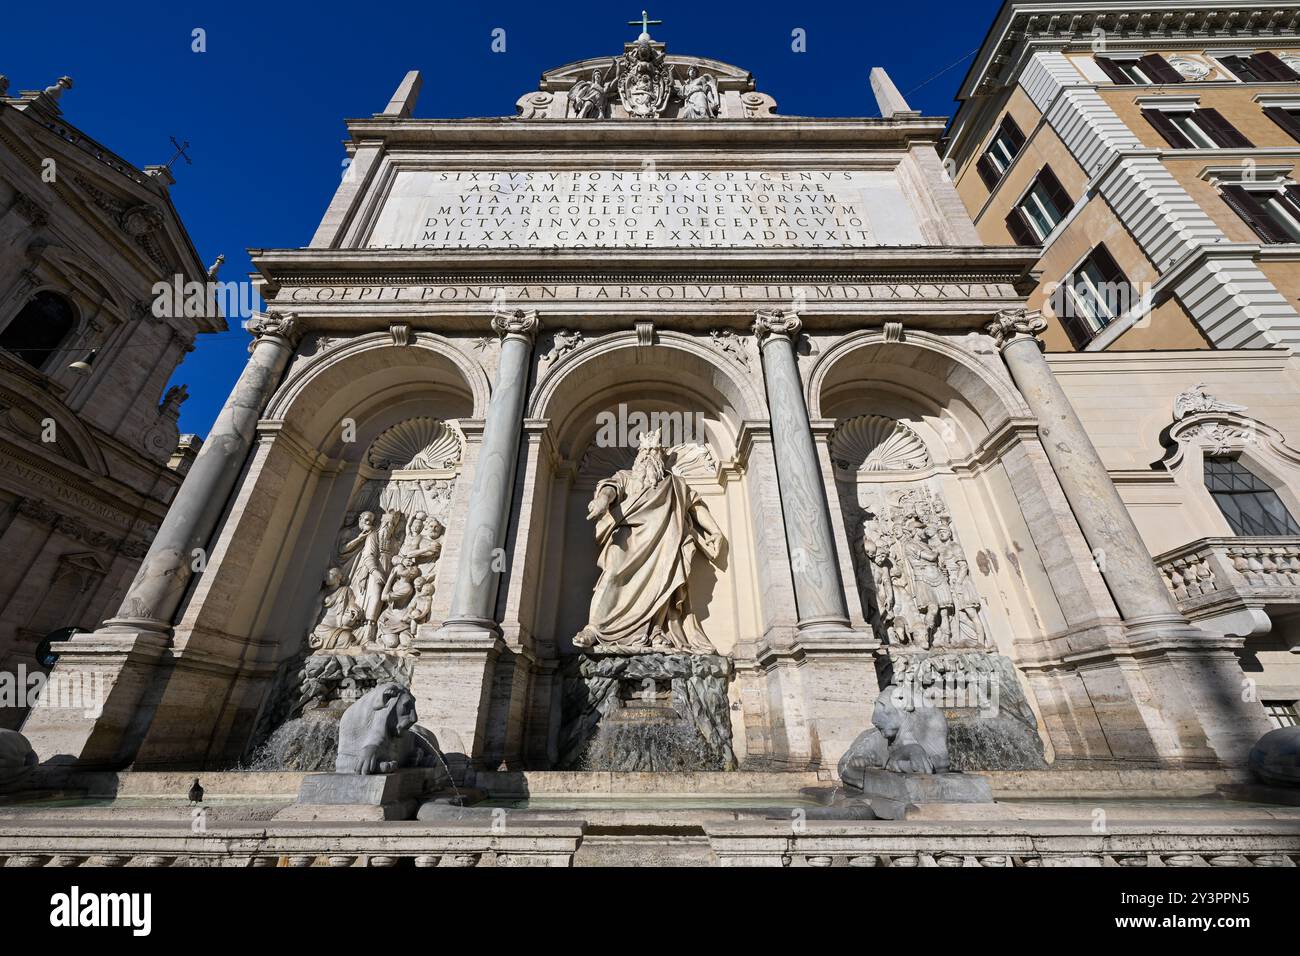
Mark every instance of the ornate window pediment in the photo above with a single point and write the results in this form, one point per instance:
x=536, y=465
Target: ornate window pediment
x=1242, y=464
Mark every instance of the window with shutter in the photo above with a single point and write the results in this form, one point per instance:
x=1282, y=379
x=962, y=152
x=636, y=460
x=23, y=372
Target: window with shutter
x=1262, y=67
x=1020, y=230
x=1219, y=129
x=1001, y=153
x=1255, y=213
x=1060, y=198
x=1242, y=68
x=1011, y=131
x=1109, y=67
x=1092, y=296
x=1274, y=67
x=1164, y=125
x=1288, y=119
x=1044, y=205
x=1157, y=67
x=987, y=173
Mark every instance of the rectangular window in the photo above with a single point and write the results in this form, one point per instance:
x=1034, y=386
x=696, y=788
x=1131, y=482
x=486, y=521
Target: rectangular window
x=1199, y=128
x=1282, y=713
x=1273, y=211
x=1092, y=297
x=1259, y=68
x=1041, y=210
x=1139, y=71
x=1287, y=117
x=1002, y=151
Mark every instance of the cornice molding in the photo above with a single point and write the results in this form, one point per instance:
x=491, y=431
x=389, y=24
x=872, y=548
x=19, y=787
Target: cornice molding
x=1152, y=25
x=424, y=266
x=789, y=133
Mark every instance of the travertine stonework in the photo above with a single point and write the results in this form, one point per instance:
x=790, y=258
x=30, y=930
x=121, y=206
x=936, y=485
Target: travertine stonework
x=849, y=383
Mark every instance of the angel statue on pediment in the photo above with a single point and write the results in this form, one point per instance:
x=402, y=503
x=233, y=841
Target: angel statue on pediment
x=589, y=99
x=699, y=95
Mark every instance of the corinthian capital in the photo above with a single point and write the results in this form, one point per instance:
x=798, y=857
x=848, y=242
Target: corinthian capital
x=280, y=325
x=1011, y=325
x=516, y=322
x=775, y=322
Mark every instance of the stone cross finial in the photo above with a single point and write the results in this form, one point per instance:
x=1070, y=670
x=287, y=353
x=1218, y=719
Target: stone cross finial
x=517, y=322
x=775, y=322
x=1011, y=325
x=645, y=23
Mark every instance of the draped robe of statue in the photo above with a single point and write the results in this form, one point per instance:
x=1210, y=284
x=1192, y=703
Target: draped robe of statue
x=648, y=537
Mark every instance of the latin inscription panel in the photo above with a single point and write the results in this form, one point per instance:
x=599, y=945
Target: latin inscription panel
x=573, y=209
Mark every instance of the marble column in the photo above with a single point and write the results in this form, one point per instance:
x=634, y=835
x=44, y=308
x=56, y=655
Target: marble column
x=156, y=592
x=116, y=664
x=481, y=563
x=1122, y=558
x=818, y=590
x=456, y=671
x=1180, y=699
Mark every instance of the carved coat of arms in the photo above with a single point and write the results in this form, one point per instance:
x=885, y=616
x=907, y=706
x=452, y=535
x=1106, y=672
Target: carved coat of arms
x=645, y=81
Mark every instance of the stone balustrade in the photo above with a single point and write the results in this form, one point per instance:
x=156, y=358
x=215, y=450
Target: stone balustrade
x=742, y=843
x=822, y=844
x=548, y=844
x=1210, y=574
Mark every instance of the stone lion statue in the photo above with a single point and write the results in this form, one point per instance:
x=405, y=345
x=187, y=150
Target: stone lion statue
x=378, y=734
x=1275, y=758
x=905, y=736
x=17, y=759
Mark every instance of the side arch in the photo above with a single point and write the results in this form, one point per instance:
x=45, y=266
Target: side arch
x=620, y=352
x=321, y=393
x=918, y=363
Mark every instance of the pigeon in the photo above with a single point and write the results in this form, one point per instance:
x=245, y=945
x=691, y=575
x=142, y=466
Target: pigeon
x=196, y=792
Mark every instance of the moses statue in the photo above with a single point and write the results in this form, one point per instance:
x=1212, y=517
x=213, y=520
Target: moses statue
x=649, y=526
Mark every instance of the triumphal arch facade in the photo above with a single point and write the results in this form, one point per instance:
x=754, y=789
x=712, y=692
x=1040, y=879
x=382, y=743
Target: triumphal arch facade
x=650, y=397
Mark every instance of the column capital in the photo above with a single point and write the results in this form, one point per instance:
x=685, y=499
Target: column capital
x=769, y=322
x=274, y=324
x=516, y=322
x=1013, y=325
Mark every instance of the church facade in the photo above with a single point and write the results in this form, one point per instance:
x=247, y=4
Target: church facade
x=89, y=456
x=650, y=396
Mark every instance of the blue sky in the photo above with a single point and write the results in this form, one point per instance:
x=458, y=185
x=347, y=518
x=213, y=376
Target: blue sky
x=263, y=107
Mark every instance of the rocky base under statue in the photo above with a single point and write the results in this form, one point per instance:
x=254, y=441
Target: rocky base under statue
x=646, y=712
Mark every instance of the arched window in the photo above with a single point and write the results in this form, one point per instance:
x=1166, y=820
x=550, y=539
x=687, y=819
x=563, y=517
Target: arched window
x=1246, y=500
x=36, y=331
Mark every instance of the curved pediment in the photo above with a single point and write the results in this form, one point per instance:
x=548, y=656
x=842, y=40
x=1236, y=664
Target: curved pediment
x=729, y=77
x=646, y=82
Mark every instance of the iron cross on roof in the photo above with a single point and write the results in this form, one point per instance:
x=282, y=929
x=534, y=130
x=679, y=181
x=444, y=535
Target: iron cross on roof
x=179, y=154
x=645, y=23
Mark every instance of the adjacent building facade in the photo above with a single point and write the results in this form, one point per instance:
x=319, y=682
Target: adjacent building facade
x=1151, y=150
x=88, y=455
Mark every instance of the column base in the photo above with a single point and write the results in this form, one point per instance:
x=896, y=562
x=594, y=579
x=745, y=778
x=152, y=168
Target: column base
x=820, y=694
x=1200, y=686
x=89, y=715
x=452, y=685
